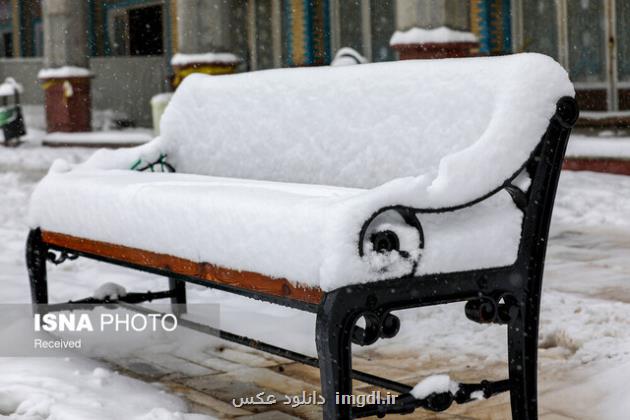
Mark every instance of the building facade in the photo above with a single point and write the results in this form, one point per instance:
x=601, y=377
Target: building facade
x=590, y=38
x=128, y=43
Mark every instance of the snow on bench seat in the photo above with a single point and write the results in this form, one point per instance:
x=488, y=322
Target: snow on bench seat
x=278, y=170
x=281, y=230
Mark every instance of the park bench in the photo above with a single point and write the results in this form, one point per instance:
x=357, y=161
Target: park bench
x=350, y=192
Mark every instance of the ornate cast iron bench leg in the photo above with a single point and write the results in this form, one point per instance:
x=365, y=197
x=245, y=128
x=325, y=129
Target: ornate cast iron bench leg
x=522, y=355
x=36, y=255
x=334, y=327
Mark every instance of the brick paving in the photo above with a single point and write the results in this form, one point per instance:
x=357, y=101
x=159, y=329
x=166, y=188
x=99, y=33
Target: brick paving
x=210, y=380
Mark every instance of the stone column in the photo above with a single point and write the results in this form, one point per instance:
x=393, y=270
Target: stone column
x=205, y=33
x=432, y=14
x=453, y=14
x=204, y=26
x=65, y=33
x=66, y=79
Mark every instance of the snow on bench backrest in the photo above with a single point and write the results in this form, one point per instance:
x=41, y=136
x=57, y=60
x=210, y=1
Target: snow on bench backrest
x=454, y=120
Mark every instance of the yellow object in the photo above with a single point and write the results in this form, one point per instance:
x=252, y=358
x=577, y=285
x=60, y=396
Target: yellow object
x=67, y=87
x=50, y=83
x=211, y=69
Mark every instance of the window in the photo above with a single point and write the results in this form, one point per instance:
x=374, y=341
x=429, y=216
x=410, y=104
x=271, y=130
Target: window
x=263, y=36
x=623, y=40
x=350, y=28
x=38, y=39
x=7, y=44
x=6, y=11
x=136, y=31
x=6, y=19
x=540, y=27
x=575, y=33
x=120, y=44
x=587, y=41
x=145, y=31
x=382, y=19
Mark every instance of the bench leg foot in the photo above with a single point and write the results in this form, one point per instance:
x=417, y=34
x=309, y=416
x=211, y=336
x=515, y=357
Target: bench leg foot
x=178, y=299
x=36, y=252
x=333, y=337
x=522, y=354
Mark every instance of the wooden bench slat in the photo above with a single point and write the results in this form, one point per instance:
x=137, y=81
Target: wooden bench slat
x=248, y=280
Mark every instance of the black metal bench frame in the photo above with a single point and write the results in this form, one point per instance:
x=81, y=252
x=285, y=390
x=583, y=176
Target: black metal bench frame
x=505, y=295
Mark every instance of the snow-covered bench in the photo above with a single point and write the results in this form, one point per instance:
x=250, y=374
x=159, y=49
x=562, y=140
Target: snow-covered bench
x=350, y=192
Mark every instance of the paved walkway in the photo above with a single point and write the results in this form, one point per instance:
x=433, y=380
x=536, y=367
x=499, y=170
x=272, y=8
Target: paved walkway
x=215, y=377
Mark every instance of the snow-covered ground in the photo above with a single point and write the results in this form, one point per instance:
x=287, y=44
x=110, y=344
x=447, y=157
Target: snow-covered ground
x=103, y=126
x=585, y=322
x=78, y=389
x=62, y=388
x=604, y=146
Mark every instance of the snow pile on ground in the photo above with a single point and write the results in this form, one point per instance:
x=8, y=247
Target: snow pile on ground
x=103, y=124
x=596, y=394
x=603, y=115
x=591, y=339
x=590, y=330
x=79, y=389
x=99, y=138
x=30, y=161
x=582, y=146
x=64, y=72
x=180, y=59
x=347, y=56
x=441, y=35
x=35, y=119
x=592, y=201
